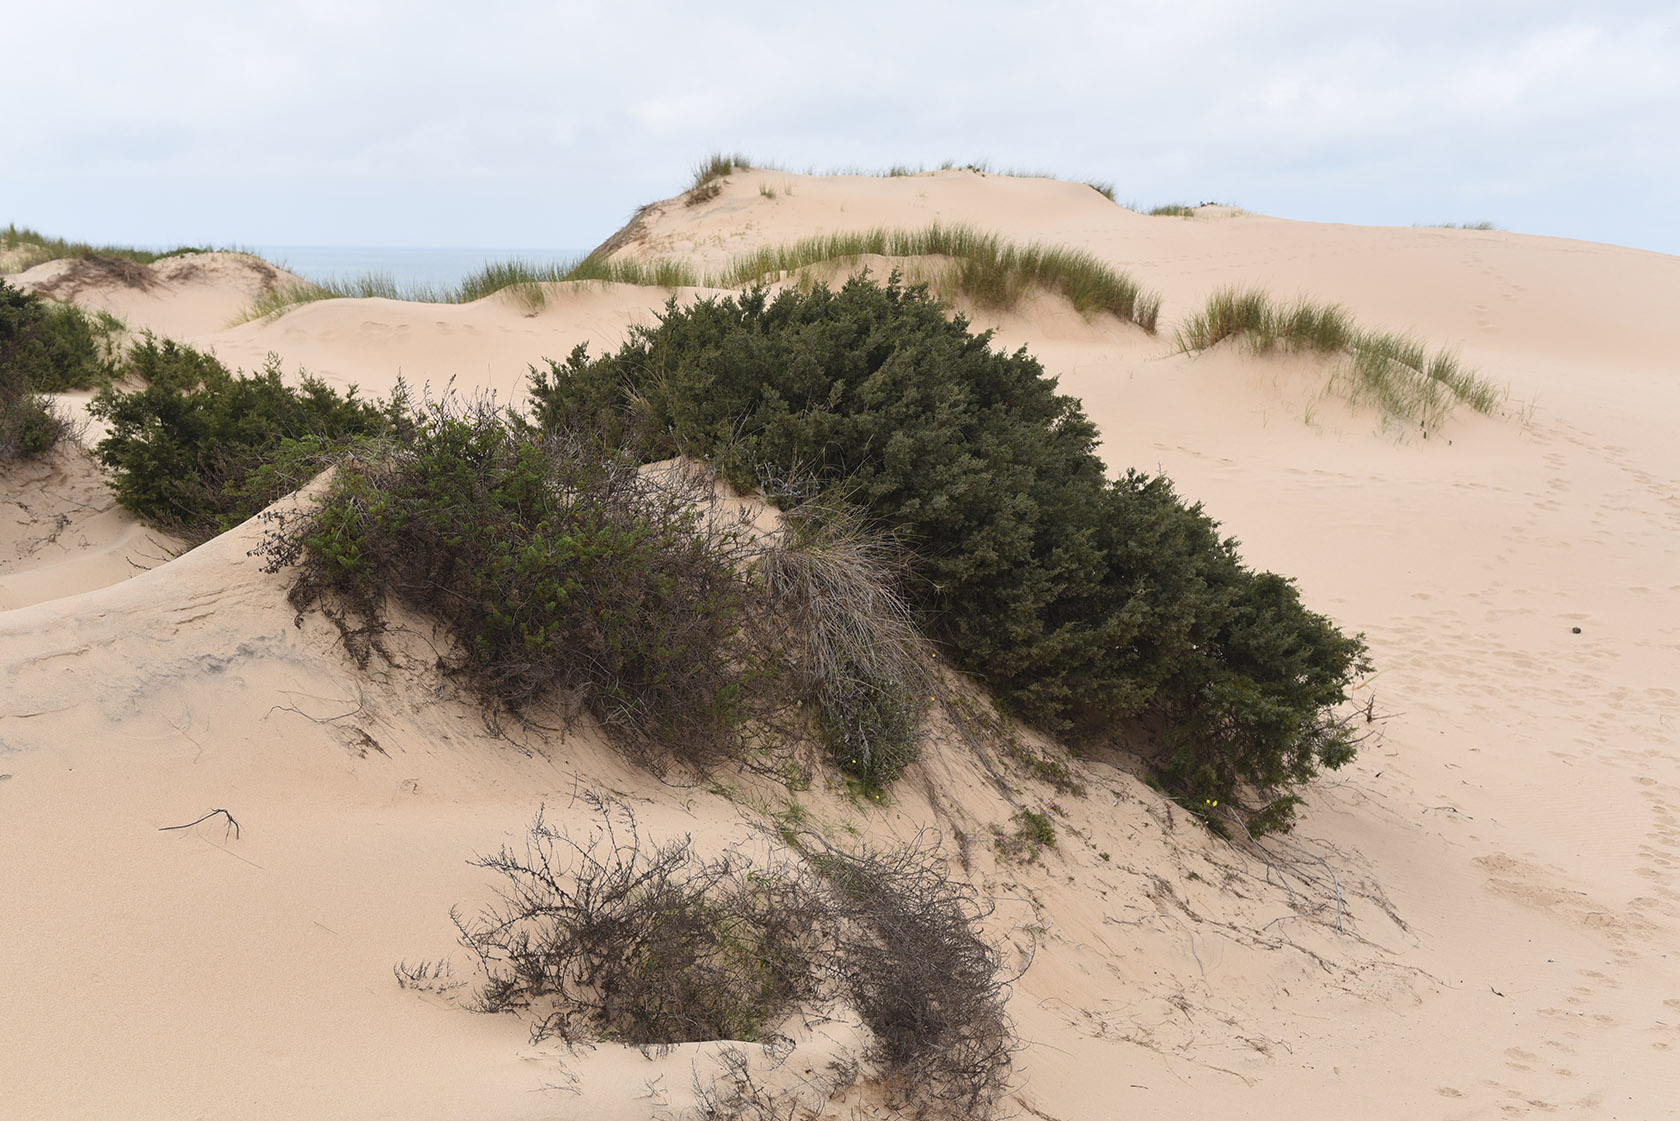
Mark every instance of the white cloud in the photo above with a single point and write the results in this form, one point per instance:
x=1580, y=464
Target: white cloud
x=387, y=122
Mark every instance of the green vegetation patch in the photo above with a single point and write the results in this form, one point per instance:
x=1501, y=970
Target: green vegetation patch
x=196, y=448
x=1394, y=371
x=24, y=248
x=985, y=269
x=46, y=348
x=1079, y=601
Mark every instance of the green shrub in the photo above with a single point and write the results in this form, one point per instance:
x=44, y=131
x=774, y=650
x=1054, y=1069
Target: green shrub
x=45, y=347
x=53, y=347
x=559, y=573
x=1079, y=601
x=187, y=448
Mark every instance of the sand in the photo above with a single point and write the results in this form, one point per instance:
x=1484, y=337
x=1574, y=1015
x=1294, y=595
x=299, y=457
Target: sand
x=1477, y=919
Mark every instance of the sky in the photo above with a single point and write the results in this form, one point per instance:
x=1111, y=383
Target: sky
x=517, y=124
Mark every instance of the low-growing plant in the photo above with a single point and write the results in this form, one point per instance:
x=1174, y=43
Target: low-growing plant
x=187, y=447
x=709, y=175
x=561, y=570
x=614, y=938
x=26, y=248
x=523, y=280
x=1173, y=210
x=1078, y=601
x=1394, y=371
x=851, y=640
x=984, y=268
x=1033, y=833
x=46, y=347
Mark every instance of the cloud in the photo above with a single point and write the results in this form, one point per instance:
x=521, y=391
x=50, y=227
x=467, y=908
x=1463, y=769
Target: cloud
x=325, y=121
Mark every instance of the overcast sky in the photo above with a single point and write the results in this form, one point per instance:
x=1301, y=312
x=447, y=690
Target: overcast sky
x=517, y=124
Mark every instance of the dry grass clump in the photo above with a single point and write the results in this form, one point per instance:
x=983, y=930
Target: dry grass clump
x=852, y=644
x=1393, y=371
x=984, y=268
x=612, y=937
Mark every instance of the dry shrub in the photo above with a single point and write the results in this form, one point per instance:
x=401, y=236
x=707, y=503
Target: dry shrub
x=850, y=639
x=613, y=938
x=609, y=939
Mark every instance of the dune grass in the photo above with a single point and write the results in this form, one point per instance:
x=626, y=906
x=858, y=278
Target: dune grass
x=1483, y=225
x=709, y=175
x=984, y=268
x=1173, y=210
x=522, y=281
x=24, y=248
x=1394, y=371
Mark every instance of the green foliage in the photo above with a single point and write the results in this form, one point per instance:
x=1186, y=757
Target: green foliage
x=523, y=280
x=1033, y=833
x=1173, y=210
x=1079, y=601
x=187, y=449
x=985, y=268
x=53, y=347
x=709, y=175
x=1393, y=371
x=558, y=570
x=30, y=248
x=45, y=347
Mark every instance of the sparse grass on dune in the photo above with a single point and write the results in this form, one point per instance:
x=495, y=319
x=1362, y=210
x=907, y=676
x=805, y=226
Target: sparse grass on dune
x=1173, y=210
x=521, y=280
x=1392, y=370
x=984, y=269
x=1484, y=225
x=709, y=175
x=25, y=248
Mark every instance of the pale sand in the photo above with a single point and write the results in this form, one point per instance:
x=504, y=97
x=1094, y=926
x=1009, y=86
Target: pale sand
x=1505, y=856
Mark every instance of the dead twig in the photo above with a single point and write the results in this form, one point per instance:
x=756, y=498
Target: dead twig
x=233, y=826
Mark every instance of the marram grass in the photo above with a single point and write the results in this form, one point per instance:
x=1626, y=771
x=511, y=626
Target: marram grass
x=983, y=268
x=980, y=266
x=521, y=281
x=1393, y=371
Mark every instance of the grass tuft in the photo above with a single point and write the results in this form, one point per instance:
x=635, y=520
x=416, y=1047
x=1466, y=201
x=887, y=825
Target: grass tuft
x=22, y=248
x=709, y=175
x=984, y=268
x=1173, y=210
x=1391, y=370
x=521, y=280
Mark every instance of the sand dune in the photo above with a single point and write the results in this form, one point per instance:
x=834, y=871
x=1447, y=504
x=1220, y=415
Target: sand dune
x=1477, y=919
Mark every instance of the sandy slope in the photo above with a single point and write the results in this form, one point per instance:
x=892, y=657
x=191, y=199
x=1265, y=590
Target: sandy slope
x=1477, y=919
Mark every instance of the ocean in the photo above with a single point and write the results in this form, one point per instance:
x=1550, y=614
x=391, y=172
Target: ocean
x=407, y=266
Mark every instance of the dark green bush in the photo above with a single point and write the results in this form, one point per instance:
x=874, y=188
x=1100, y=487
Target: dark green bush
x=1079, y=601
x=559, y=573
x=188, y=448
x=44, y=347
x=53, y=347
